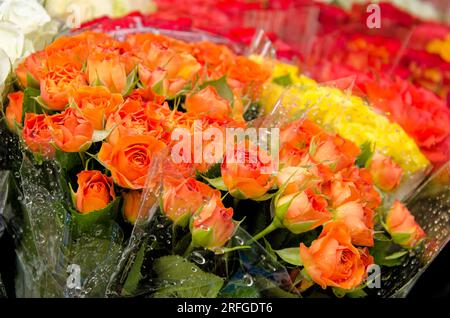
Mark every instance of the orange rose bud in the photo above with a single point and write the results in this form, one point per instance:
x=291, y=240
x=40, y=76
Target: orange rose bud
x=37, y=136
x=14, y=111
x=403, y=228
x=95, y=191
x=336, y=152
x=297, y=179
x=131, y=205
x=208, y=102
x=385, y=173
x=130, y=159
x=332, y=260
x=31, y=69
x=59, y=84
x=246, y=173
x=97, y=104
x=109, y=70
x=359, y=221
x=302, y=212
x=183, y=198
x=70, y=131
x=213, y=225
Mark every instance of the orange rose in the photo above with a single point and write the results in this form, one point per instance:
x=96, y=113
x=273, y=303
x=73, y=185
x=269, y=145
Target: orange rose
x=332, y=260
x=362, y=180
x=243, y=178
x=385, y=173
x=217, y=59
x=138, y=207
x=95, y=191
x=31, y=68
x=37, y=136
x=296, y=179
x=109, y=69
x=403, y=228
x=359, y=221
x=247, y=76
x=140, y=40
x=182, y=198
x=213, y=225
x=130, y=159
x=164, y=66
x=59, y=84
x=295, y=141
x=135, y=118
x=14, y=111
x=340, y=190
x=97, y=104
x=302, y=212
x=336, y=152
x=70, y=131
x=208, y=102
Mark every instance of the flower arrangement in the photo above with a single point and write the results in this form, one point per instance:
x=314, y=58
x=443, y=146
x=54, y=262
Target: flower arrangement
x=109, y=185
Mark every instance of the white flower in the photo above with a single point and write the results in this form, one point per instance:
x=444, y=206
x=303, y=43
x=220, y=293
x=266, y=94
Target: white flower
x=78, y=11
x=12, y=40
x=27, y=14
x=5, y=68
x=125, y=7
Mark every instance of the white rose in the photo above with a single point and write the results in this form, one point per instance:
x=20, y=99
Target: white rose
x=28, y=14
x=5, y=68
x=78, y=11
x=124, y=7
x=12, y=40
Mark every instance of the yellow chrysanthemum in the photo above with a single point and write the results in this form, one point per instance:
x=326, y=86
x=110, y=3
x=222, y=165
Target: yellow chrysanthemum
x=349, y=116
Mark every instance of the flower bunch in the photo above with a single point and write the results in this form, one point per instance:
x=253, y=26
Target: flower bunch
x=348, y=115
x=101, y=101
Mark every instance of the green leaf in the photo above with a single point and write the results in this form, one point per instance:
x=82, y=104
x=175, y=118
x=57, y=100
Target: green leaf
x=240, y=289
x=217, y=183
x=182, y=279
x=284, y=80
x=90, y=222
x=386, y=253
x=158, y=88
x=135, y=275
x=272, y=290
x=222, y=88
x=396, y=255
x=132, y=80
x=32, y=82
x=290, y=255
x=366, y=154
x=67, y=160
x=30, y=105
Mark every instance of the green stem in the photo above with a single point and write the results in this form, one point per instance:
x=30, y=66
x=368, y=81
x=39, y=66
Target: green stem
x=272, y=227
x=83, y=160
x=189, y=250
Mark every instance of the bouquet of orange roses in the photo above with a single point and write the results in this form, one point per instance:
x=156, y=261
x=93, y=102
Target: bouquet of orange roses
x=147, y=168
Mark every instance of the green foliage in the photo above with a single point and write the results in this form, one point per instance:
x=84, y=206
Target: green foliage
x=181, y=279
x=222, y=88
x=366, y=154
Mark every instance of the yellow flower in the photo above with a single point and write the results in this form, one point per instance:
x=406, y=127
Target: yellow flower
x=349, y=116
x=440, y=47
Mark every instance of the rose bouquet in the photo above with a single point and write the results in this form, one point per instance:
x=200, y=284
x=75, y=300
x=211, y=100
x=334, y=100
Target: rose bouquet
x=115, y=192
